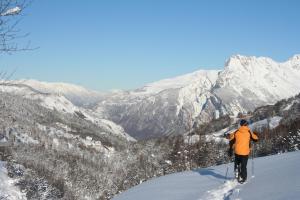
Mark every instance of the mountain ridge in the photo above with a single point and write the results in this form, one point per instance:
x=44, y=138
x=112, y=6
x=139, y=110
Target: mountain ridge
x=174, y=105
x=244, y=84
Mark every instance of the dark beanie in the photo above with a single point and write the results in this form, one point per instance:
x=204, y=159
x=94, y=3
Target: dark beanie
x=243, y=122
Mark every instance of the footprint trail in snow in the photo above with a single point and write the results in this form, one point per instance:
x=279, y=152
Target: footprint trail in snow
x=228, y=191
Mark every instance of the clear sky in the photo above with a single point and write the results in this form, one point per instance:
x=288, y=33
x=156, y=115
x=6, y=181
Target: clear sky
x=124, y=44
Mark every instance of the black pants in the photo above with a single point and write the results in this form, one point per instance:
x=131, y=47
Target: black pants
x=240, y=164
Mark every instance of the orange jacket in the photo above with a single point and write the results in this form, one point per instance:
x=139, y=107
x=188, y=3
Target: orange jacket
x=241, y=140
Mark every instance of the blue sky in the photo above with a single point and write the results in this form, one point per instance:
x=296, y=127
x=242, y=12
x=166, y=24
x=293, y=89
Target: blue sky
x=112, y=44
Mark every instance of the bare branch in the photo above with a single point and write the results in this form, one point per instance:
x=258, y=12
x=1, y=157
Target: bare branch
x=11, y=13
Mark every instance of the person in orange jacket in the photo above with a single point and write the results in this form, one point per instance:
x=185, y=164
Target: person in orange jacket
x=240, y=141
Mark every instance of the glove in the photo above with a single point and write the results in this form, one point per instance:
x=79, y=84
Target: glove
x=256, y=134
x=230, y=152
x=227, y=135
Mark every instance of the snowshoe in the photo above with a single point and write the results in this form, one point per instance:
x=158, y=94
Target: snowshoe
x=241, y=180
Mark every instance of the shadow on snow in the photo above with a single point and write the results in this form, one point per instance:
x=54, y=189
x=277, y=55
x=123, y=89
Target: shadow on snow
x=213, y=173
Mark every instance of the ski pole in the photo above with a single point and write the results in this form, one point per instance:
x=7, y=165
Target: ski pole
x=252, y=163
x=227, y=168
x=226, y=174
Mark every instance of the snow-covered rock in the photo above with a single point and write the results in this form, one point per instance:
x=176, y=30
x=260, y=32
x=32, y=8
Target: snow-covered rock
x=248, y=82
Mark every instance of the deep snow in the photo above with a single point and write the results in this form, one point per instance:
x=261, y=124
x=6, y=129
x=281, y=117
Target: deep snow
x=270, y=178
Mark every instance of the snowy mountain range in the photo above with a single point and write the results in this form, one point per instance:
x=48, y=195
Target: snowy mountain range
x=175, y=105
x=270, y=178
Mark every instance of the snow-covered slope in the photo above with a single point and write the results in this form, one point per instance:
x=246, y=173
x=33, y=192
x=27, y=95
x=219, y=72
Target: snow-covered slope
x=78, y=95
x=218, y=136
x=60, y=103
x=171, y=106
x=199, y=78
x=270, y=178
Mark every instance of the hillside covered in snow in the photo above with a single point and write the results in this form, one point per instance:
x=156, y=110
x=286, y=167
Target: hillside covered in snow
x=78, y=95
x=270, y=178
x=63, y=98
